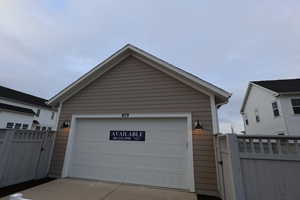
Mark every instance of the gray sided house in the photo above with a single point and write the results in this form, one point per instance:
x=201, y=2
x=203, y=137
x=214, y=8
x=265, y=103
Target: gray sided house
x=272, y=107
x=131, y=119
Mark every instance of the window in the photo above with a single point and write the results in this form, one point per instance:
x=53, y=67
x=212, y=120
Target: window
x=9, y=125
x=246, y=120
x=25, y=126
x=49, y=128
x=296, y=105
x=257, y=118
x=52, y=115
x=17, y=125
x=38, y=112
x=44, y=128
x=275, y=109
x=38, y=128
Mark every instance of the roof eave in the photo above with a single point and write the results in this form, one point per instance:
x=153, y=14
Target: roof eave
x=289, y=93
x=246, y=97
x=212, y=88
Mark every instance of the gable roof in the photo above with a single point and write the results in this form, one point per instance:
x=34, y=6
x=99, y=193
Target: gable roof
x=4, y=106
x=281, y=86
x=22, y=97
x=126, y=51
x=276, y=87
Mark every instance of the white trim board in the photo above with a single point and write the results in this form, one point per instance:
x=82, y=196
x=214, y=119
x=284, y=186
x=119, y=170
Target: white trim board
x=188, y=116
x=214, y=114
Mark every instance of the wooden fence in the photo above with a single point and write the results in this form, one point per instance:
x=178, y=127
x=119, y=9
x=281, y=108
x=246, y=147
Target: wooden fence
x=25, y=155
x=258, y=167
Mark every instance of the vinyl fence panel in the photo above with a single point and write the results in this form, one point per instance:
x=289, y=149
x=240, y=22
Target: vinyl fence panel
x=259, y=167
x=25, y=155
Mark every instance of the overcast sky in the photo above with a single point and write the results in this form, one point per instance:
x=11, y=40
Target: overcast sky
x=47, y=44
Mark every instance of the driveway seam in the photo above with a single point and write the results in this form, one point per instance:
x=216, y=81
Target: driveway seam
x=112, y=191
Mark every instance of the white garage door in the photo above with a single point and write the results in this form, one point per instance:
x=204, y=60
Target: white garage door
x=160, y=160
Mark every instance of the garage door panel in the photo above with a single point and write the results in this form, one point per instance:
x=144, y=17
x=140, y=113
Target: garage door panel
x=140, y=175
x=126, y=168
x=159, y=149
x=125, y=160
x=160, y=160
x=155, y=177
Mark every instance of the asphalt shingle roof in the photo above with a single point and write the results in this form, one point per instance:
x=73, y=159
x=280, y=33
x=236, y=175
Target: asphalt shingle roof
x=23, y=97
x=16, y=108
x=280, y=86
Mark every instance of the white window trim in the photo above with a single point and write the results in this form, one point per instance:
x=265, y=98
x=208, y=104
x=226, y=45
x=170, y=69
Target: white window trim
x=18, y=125
x=246, y=118
x=27, y=126
x=292, y=108
x=277, y=108
x=13, y=125
x=188, y=116
x=52, y=115
x=38, y=112
x=256, y=114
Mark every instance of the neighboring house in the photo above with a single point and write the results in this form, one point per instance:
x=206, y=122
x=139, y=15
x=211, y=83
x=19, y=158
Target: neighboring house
x=272, y=107
x=19, y=110
x=130, y=119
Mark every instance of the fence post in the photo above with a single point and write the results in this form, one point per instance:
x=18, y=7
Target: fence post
x=235, y=166
x=53, y=138
x=219, y=166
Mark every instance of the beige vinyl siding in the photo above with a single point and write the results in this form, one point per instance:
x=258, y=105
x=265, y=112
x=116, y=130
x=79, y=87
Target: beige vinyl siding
x=131, y=87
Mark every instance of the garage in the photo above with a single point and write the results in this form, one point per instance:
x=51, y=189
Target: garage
x=135, y=118
x=159, y=158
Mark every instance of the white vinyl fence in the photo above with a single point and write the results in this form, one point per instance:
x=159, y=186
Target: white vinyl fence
x=258, y=167
x=24, y=155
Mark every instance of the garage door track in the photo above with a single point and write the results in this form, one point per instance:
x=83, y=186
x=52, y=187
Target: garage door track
x=75, y=189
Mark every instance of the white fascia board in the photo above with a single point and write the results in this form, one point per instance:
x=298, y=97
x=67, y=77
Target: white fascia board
x=191, y=77
x=246, y=97
x=214, y=113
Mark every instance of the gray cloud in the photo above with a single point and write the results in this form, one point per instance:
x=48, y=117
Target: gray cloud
x=46, y=45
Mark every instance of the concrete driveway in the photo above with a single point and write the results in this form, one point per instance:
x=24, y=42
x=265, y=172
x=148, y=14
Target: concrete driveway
x=75, y=189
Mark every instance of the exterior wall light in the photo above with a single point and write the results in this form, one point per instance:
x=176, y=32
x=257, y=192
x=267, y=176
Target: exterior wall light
x=198, y=125
x=66, y=124
x=198, y=128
